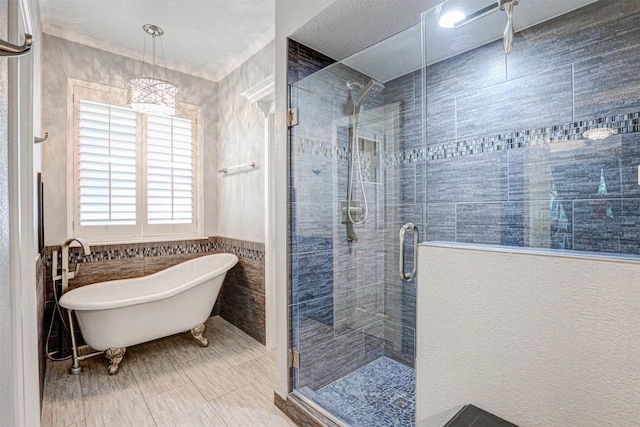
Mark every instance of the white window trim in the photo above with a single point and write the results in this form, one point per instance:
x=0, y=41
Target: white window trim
x=127, y=234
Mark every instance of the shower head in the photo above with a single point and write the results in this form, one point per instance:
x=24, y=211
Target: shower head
x=509, y=33
x=366, y=92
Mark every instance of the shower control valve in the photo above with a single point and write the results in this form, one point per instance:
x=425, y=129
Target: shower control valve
x=356, y=211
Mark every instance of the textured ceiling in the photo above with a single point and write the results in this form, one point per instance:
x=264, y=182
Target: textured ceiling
x=210, y=38
x=205, y=38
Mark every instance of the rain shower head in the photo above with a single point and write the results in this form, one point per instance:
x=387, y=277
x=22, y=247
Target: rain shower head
x=366, y=92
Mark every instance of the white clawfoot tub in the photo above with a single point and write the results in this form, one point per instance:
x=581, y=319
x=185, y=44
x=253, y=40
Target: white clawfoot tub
x=117, y=314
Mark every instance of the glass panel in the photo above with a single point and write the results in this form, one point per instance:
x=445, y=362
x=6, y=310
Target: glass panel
x=510, y=161
x=352, y=317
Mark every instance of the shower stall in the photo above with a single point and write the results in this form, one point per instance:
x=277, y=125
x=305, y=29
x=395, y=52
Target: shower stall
x=354, y=157
x=515, y=125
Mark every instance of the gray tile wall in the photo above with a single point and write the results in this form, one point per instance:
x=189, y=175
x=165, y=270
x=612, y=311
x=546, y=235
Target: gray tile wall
x=506, y=162
x=503, y=163
x=337, y=289
x=348, y=305
x=404, y=203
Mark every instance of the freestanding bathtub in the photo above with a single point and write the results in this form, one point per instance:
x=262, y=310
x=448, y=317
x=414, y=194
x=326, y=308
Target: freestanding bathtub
x=117, y=314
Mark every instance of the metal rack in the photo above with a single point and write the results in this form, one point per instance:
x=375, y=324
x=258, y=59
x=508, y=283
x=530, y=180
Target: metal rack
x=243, y=165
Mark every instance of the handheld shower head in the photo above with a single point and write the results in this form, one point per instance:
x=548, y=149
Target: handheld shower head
x=366, y=92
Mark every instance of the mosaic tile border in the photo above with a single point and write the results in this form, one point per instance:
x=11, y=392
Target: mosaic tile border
x=320, y=148
x=243, y=249
x=620, y=123
x=405, y=157
x=330, y=151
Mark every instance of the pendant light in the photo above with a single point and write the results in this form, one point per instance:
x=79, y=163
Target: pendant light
x=150, y=94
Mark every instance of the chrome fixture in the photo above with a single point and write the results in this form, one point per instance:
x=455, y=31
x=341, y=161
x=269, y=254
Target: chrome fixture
x=65, y=276
x=360, y=94
x=367, y=92
x=509, y=33
x=456, y=19
x=151, y=94
x=12, y=50
x=38, y=140
x=243, y=165
x=416, y=236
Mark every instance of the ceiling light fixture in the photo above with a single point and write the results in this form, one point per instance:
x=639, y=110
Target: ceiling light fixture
x=598, y=133
x=451, y=18
x=151, y=94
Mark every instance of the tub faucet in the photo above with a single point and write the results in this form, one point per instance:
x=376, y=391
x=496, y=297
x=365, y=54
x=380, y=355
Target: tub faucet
x=66, y=274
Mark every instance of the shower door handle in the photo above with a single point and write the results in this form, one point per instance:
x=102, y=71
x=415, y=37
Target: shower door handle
x=12, y=50
x=416, y=234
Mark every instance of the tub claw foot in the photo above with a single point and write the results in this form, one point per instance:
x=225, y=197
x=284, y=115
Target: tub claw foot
x=115, y=355
x=198, y=332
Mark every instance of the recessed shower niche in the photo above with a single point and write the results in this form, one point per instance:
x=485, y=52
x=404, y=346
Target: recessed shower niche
x=370, y=158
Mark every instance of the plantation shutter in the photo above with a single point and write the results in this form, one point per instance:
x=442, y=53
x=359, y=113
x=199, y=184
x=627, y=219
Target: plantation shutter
x=107, y=165
x=170, y=192
x=132, y=176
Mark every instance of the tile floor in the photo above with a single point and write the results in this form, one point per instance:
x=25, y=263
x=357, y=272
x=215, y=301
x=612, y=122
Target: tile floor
x=379, y=394
x=170, y=382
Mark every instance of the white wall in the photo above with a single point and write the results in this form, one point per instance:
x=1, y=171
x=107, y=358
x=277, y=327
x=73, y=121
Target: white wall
x=6, y=351
x=241, y=194
x=63, y=59
x=19, y=386
x=538, y=340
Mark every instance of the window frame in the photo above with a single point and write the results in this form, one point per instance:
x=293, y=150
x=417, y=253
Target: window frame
x=79, y=90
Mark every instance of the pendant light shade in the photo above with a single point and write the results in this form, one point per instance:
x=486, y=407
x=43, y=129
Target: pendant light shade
x=149, y=94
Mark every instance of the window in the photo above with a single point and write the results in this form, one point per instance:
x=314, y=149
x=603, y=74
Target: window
x=134, y=175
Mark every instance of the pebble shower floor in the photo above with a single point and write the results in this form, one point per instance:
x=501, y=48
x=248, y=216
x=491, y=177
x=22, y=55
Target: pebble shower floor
x=379, y=394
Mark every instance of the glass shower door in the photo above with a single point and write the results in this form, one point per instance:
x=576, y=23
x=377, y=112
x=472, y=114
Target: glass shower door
x=356, y=174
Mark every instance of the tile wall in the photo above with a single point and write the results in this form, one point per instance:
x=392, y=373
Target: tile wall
x=241, y=300
x=348, y=304
x=506, y=161
x=404, y=166
x=242, y=297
